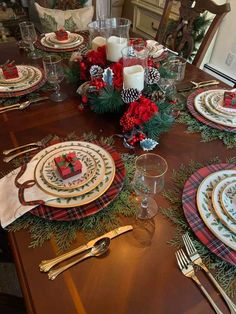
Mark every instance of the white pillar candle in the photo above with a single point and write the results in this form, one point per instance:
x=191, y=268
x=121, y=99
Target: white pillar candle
x=114, y=46
x=98, y=42
x=134, y=77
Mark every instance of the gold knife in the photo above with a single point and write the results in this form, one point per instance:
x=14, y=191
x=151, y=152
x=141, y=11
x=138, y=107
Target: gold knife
x=46, y=265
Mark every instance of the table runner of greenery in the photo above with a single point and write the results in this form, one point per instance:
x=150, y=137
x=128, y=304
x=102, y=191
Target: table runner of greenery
x=208, y=133
x=224, y=272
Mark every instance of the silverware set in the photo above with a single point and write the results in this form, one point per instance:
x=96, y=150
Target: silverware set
x=36, y=144
x=186, y=265
x=95, y=247
x=21, y=106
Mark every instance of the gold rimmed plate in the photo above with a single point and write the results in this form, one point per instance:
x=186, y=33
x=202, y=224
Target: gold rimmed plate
x=75, y=191
x=228, y=200
x=216, y=200
x=206, y=209
x=72, y=38
x=51, y=174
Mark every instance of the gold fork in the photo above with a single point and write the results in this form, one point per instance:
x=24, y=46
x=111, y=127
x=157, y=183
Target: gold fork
x=186, y=267
x=196, y=259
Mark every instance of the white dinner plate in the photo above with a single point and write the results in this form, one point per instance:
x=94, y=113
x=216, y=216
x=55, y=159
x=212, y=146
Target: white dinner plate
x=207, y=212
x=216, y=200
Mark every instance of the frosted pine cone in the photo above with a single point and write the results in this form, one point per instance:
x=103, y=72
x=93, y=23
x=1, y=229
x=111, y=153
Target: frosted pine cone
x=95, y=71
x=153, y=75
x=130, y=94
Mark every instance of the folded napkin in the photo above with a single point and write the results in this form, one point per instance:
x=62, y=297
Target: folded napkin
x=11, y=208
x=230, y=99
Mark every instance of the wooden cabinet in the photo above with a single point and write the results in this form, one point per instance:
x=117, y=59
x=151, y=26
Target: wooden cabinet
x=147, y=16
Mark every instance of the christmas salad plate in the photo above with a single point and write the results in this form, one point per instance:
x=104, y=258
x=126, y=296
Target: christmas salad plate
x=50, y=41
x=88, y=162
x=216, y=200
x=206, y=209
x=200, y=106
x=41, y=173
x=215, y=102
x=85, y=198
x=29, y=76
x=228, y=200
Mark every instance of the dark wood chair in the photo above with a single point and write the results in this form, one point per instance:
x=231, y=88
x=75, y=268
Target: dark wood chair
x=181, y=38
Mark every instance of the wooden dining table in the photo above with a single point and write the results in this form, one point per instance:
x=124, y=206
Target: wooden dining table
x=140, y=274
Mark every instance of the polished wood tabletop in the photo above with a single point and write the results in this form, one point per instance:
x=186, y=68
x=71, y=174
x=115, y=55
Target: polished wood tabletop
x=140, y=274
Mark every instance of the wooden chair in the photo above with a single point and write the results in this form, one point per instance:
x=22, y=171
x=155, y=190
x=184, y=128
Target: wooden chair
x=181, y=37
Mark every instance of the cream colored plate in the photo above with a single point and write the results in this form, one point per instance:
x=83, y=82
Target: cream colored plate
x=93, y=194
x=199, y=103
x=45, y=42
x=214, y=101
x=52, y=177
x=72, y=38
x=206, y=210
x=76, y=191
x=228, y=200
x=216, y=200
x=34, y=78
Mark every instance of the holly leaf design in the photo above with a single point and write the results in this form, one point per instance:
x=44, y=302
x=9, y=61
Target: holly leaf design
x=49, y=23
x=70, y=25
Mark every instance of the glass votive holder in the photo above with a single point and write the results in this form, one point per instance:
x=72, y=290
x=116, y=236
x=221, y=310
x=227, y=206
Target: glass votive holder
x=117, y=37
x=97, y=33
x=135, y=62
x=176, y=65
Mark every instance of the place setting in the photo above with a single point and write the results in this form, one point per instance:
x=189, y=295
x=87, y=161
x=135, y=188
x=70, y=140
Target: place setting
x=59, y=41
x=18, y=80
x=64, y=182
x=215, y=108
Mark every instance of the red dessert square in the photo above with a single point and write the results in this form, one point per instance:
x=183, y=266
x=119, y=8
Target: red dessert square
x=230, y=99
x=68, y=165
x=10, y=71
x=61, y=34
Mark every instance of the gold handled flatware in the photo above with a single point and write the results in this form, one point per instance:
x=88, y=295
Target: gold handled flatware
x=196, y=259
x=9, y=158
x=99, y=248
x=204, y=83
x=21, y=106
x=188, y=271
x=46, y=265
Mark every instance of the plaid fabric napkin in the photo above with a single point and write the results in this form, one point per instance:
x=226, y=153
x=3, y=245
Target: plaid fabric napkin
x=11, y=208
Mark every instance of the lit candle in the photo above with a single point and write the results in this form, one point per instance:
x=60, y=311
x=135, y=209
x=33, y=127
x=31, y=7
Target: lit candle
x=134, y=77
x=114, y=46
x=98, y=42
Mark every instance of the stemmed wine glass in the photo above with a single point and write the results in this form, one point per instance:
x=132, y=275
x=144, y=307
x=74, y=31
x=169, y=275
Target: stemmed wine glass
x=55, y=74
x=148, y=181
x=29, y=37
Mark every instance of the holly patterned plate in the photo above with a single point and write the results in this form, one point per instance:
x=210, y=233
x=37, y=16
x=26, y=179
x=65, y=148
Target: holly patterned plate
x=214, y=101
x=199, y=104
x=228, y=200
x=22, y=74
x=94, y=194
x=47, y=43
x=206, y=210
x=72, y=38
x=216, y=200
x=51, y=174
x=40, y=173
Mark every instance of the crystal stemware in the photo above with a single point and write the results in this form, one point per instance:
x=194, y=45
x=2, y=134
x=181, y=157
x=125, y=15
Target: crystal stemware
x=29, y=37
x=55, y=74
x=148, y=181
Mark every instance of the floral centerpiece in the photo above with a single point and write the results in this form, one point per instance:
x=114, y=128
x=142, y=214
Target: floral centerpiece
x=144, y=114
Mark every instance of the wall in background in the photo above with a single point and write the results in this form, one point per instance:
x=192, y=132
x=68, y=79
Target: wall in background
x=223, y=56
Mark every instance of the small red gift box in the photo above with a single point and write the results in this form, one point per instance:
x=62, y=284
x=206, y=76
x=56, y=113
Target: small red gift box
x=10, y=71
x=61, y=34
x=230, y=99
x=68, y=165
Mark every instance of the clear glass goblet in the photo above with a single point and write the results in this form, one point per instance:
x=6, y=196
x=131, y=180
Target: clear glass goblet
x=148, y=181
x=29, y=36
x=55, y=74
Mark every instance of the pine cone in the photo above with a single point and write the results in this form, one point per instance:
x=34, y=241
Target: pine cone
x=157, y=96
x=153, y=75
x=130, y=94
x=95, y=71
